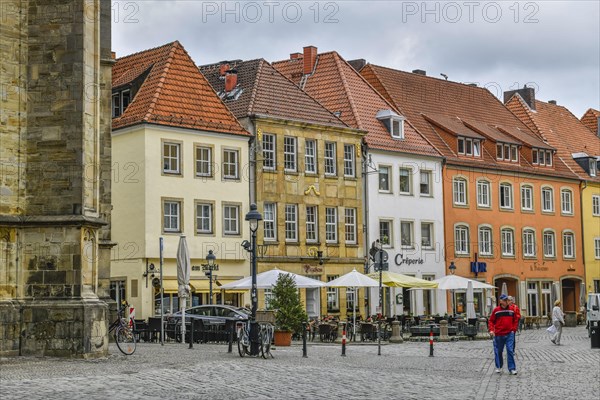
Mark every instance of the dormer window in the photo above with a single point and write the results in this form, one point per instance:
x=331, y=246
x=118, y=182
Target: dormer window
x=469, y=147
x=393, y=122
x=507, y=152
x=588, y=163
x=541, y=157
x=120, y=101
x=593, y=167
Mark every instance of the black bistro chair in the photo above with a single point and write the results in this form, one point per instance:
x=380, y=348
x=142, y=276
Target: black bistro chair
x=154, y=329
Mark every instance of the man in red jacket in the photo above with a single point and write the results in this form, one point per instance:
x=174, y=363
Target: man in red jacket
x=501, y=325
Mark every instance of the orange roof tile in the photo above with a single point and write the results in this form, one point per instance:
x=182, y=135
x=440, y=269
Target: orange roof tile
x=336, y=85
x=174, y=92
x=423, y=99
x=590, y=120
x=559, y=127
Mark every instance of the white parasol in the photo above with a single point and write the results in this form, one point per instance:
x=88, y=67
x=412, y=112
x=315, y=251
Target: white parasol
x=265, y=280
x=184, y=270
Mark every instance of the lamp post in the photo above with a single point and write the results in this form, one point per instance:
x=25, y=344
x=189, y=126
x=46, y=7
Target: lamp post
x=452, y=269
x=253, y=217
x=210, y=262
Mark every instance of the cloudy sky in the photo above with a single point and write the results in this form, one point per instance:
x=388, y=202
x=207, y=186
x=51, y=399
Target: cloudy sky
x=502, y=45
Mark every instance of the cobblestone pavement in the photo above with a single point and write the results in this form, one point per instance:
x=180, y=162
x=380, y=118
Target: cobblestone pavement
x=458, y=370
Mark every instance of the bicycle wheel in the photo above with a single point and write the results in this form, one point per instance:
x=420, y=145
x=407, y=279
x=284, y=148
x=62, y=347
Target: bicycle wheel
x=125, y=340
x=242, y=342
x=265, y=343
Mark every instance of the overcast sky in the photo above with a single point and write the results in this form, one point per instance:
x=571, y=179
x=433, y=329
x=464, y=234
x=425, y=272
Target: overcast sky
x=502, y=45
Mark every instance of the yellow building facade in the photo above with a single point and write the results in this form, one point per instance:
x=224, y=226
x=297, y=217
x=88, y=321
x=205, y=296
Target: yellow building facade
x=590, y=206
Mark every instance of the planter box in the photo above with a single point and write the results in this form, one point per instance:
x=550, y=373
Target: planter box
x=282, y=338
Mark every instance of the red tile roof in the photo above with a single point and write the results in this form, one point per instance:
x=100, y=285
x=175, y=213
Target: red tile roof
x=424, y=99
x=559, y=127
x=174, y=92
x=267, y=92
x=336, y=85
x=590, y=120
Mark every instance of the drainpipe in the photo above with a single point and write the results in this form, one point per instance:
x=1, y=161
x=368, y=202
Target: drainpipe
x=365, y=177
x=584, y=183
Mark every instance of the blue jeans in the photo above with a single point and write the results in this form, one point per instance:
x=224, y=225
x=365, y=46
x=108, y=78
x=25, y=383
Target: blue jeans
x=499, y=343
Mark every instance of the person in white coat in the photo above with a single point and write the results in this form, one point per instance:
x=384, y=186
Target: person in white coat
x=558, y=320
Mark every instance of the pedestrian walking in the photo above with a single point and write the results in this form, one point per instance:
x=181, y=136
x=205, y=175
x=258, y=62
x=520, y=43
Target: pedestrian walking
x=558, y=320
x=517, y=310
x=501, y=326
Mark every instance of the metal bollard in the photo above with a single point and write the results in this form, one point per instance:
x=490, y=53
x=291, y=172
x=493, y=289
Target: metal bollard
x=230, y=347
x=431, y=340
x=304, y=325
x=192, y=321
x=343, y=339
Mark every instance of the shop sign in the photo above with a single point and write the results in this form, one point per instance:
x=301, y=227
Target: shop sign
x=313, y=269
x=400, y=260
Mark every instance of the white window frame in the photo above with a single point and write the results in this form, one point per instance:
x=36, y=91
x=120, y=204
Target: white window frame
x=330, y=159
x=529, y=247
x=476, y=148
x=484, y=189
x=290, y=154
x=597, y=248
x=350, y=225
x=508, y=242
x=170, y=158
x=535, y=156
x=549, y=243
x=389, y=178
x=499, y=151
x=506, y=196
x=390, y=228
x=527, y=200
x=231, y=220
x=549, y=158
x=204, y=166
x=427, y=174
x=459, y=191
x=349, y=161
x=460, y=143
x=548, y=192
x=592, y=163
x=485, y=243
x=269, y=146
x=310, y=156
x=461, y=239
x=427, y=226
x=331, y=225
x=291, y=222
x=333, y=295
x=201, y=219
x=227, y=164
x=270, y=222
x=397, y=128
x=312, y=224
x=468, y=147
x=408, y=177
x=171, y=216
x=568, y=239
x=514, y=153
x=411, y=231
x=566, y=201
x=596, y=205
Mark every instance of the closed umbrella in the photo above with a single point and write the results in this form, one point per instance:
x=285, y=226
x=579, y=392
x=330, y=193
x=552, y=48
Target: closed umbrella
x=184, y=270
x=504, y=289
x=266, y=280
x=470, y=302
x=582, y=297
x=353, y=279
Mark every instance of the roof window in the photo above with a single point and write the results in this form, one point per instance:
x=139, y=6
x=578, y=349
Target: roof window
x=393, y=122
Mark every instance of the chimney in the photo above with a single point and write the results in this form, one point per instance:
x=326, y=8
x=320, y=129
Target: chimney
x=310, y=58
x=294, y=56
x=113, y=55
x=527, y=94
x=223, y=68
x=552, y=102
x=230, y=80
x=419, y=72
x=358, y=64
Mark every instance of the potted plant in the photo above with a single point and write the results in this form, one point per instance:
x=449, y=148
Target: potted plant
x=290, y=311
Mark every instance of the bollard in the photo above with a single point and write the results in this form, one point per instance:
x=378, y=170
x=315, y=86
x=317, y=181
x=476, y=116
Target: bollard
x=230, y=347
x=191, y=333
x=304, y=327
x=343, y=339
x=396, y=333
x=431, y=340
x=443, y=331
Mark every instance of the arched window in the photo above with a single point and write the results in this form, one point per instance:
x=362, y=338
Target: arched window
x=547, y=199
x=485, y=241
x=568, y=244
x=566, y=201
x=506, y=195
x=529, y=243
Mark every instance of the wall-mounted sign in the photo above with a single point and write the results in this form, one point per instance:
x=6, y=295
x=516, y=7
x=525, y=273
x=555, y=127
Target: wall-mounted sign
x=401, y=260
x=537, y=268
x=205, y=267
x=313, y=269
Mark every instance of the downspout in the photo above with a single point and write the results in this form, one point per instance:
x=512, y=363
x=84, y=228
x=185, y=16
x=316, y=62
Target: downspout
x=445, y=224
x=365, y=177
x=581, y=236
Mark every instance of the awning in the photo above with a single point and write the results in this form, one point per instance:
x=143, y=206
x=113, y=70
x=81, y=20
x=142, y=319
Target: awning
x=202, y=286
x=170, y=286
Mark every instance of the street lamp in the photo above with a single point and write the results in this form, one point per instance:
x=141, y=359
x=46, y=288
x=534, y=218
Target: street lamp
x=253, y=217
x=452, y=269
x=210, y=261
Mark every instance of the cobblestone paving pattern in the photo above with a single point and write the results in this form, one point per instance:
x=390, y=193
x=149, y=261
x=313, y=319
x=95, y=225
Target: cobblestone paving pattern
x=458, y=370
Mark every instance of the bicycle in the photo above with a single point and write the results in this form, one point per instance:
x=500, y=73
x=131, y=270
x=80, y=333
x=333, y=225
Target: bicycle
x=265, y=337
x=123, y=334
